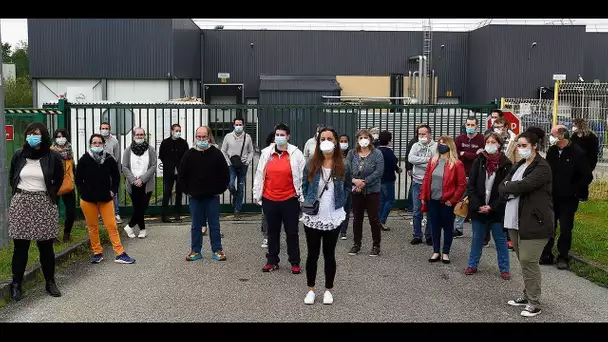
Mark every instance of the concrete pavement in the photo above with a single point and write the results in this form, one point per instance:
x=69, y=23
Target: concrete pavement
x=398, y=286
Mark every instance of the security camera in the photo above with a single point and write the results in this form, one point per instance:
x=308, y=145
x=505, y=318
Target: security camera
x=251, y=44
x=533, y=44
x=442, y=46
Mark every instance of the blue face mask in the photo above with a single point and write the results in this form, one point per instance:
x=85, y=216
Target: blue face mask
x=238, y=129
x=33, y=140
x=280, y=140
x=96, y=149
x=442, y=149
x=202, y=144
x=470, y=130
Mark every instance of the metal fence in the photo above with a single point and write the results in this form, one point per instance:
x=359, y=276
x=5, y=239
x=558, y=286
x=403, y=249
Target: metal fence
x=575, y=100
x=83, y=119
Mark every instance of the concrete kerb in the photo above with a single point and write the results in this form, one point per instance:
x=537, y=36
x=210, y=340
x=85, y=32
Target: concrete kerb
x=31, y=275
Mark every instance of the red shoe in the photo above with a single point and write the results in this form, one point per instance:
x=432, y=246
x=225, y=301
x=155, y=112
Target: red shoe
x=295, y=269
x=510, y=244
x=270, y=267
x=470, y=270
x=505, y=275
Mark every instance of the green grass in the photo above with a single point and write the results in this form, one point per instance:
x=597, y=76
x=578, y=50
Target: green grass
x=590, y=234
x=590, y=273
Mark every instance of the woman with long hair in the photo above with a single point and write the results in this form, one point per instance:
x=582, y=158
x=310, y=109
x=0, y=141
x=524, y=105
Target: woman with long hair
x=35, y=176
x=97, y=180
x=486, y=206
x=139, y=166
x=62, y=145
x=586, y=139
x=324, y=181
x=443, y=186
x=529, y=216
x=367, y=167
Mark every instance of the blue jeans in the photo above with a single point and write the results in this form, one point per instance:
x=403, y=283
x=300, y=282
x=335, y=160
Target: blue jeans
x=241, y=174
x=417, y=205
x=347, y=207
x=205, y=210
x=387, y=199
x=479, y=234
x=442, y=218
x=459, y=223
x=116, y=204
x=409, y=202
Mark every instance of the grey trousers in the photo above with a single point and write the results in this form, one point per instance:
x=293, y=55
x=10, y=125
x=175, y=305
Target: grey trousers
x=528, y=253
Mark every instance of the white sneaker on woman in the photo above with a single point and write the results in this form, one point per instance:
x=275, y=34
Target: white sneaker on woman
x=328, y=298
x=310, y=298
x=129, y=231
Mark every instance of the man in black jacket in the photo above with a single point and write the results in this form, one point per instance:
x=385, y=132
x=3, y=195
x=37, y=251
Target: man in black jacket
x=170, y=153
x=204, y=175
x=571, y=178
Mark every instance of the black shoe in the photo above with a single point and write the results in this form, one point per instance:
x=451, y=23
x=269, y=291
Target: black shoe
x=431, y=259
x=66, y=238
x=429, y=242
x=416, y=241
x=375, y=251
x=445, y=261
x=458, y=234
x=177, y=219
x=165, y=219
x=354, y=250
x=546, y=260
x=52, y=289
x=562, y=264
x=16, y=292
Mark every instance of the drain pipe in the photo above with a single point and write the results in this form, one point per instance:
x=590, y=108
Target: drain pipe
x=415, y=84
x=422, y=73
x=409, y=83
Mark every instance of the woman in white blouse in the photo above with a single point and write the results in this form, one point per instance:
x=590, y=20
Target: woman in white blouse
x=324, y=181
x=139, y=166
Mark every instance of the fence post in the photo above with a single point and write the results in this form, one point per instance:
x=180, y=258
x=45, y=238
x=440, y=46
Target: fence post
x=3, y=171
x=556, y=100
x=502, y=102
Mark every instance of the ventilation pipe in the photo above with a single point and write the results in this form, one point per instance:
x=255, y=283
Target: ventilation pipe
x=409, y=84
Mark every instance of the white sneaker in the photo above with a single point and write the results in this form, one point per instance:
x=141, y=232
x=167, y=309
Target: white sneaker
x=328, y=299
x=129, y=231
x=265, y=243
x=142, y=233
x=118, y=219
x=310, y=298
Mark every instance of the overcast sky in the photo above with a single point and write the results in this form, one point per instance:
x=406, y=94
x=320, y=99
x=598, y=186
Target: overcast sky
x=14, y=30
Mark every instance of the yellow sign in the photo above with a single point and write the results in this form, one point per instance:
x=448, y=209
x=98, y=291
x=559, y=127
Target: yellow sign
x=448, y=93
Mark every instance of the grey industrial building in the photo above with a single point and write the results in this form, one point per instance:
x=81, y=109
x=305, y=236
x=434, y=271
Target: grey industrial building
x=474, y=67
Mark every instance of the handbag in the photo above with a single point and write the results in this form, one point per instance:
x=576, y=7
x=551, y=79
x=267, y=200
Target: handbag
x=235, y=160
x=461, y=209
x=312, y=209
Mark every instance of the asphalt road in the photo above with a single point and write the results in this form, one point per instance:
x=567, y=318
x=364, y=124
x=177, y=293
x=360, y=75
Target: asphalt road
x=398, y=286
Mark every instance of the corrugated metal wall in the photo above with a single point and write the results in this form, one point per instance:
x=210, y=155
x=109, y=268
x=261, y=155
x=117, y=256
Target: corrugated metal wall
x=305, y=53
x=450, y=62
x=294, y=97
x=478, y=52
x=112, y=48
x=596, y=54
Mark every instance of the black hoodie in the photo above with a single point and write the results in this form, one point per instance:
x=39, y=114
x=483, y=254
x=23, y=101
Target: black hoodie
x=204, y=173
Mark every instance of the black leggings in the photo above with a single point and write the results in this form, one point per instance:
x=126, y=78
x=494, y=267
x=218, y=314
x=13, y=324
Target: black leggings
x=141, y=201
x=20, y=254
x=69, y=201
x=313, y=240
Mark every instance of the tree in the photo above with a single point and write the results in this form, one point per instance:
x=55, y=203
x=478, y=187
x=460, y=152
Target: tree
x=7, y=53
x=21, y=60
x=18, y=93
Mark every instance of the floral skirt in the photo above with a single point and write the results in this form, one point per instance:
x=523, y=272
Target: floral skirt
x=33, y=216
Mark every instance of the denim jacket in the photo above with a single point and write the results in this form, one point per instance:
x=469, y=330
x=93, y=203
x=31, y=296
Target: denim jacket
x=341, y=188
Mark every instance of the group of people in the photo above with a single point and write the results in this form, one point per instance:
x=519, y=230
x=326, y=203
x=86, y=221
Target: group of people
x=511, y=196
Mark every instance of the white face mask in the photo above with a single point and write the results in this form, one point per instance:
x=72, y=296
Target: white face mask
x=423, y=140
x=574, y=129
x=104, y=132
x=327, y=146
x=553, y=140
x=139, y=141
x=177, y=134
x=375, y=136
x=344, y=146
x=364, y=143
x=492, y=120
x=491, y=149
x=61, y=141
x=524, y=153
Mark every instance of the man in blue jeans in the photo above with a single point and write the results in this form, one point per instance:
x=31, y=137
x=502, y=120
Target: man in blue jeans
x=204, y=175
x=237, y=148
x=391, y=168
x=420, y=154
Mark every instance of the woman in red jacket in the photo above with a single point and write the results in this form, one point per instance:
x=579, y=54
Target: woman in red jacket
x=443, y=185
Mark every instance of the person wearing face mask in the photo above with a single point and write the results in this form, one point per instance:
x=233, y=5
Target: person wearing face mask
x=35, y=175
x=277, y=187
x=97, y=180
x=468, y=146
x=237, y=147
x=170, y=153
x=375, y=132
x=325, y=181
x=66, y=191
x=495, y=115
x=501, y=127
x=571, y=178
x=486, y=206
x=389, y=177
x=529, y=216
x=204, y=175
x=367, y=165
x=443, y=186
x=139, y=166
x=587, y=140
x=311, y=144
x=345, y=148
x=421, y=153
x=112, y=147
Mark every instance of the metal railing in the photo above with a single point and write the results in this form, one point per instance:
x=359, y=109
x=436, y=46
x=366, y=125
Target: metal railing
x=84, y=119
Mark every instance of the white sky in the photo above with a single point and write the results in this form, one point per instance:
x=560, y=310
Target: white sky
x=14, y=30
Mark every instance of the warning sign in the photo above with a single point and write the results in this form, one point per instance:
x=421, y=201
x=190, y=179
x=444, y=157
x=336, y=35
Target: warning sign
x=10, y=133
